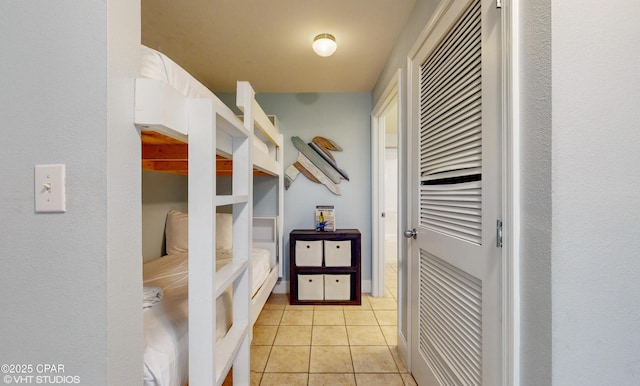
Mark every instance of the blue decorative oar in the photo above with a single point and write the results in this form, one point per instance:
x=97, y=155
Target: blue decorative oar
x=320, y=163
x=322, y=146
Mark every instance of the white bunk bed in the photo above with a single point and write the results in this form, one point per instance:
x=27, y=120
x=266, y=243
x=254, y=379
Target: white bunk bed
x=186, y=129
x=166, y=320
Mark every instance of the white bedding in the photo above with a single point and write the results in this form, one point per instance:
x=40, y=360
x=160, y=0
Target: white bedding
x=156, y=65
x=166, y=341
x=260, y=266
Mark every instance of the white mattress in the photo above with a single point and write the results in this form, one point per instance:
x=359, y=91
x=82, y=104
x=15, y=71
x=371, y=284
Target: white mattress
x=156, y=65
x=166, y=340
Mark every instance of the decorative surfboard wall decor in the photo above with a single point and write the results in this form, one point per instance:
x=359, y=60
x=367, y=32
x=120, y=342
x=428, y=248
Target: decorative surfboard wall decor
x=316, y=162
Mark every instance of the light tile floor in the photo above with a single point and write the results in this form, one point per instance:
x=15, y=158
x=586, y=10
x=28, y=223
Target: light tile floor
x=329, y=345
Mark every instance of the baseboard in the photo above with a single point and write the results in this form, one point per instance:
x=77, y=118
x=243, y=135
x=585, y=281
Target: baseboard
x=282, y=287
x=403, y=350
x=365, y=286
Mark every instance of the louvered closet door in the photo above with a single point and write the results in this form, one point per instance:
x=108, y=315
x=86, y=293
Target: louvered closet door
x=456, y=102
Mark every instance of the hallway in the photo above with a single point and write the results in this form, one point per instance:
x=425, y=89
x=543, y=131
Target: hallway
x=329, y=345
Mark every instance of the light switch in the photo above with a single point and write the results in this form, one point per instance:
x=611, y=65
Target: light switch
x=49, y=188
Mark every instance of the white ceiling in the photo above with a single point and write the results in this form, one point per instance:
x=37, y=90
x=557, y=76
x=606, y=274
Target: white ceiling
x=268, y=42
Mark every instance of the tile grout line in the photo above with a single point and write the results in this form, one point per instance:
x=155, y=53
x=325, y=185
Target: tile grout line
x=313, y=316
x=315, y=324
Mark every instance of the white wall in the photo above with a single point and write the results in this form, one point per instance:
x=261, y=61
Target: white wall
x=67, y=292
x=536, y=207
x=579, y=193
x=596, y=206
x=420, y=15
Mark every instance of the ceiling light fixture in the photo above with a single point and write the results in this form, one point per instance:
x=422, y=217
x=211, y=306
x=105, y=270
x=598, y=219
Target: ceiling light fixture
x=324, y=45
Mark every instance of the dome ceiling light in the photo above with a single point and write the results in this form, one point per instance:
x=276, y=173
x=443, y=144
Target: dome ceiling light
x=324, y=45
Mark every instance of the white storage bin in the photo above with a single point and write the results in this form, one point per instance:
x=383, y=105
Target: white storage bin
x=337, y=287
x=309, y=253
x=337, y=253
x=310, y=287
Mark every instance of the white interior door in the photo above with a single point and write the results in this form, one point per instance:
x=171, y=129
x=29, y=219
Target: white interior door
x=456, y=162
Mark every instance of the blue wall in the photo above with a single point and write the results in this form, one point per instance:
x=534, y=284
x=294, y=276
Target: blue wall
x=346, y=119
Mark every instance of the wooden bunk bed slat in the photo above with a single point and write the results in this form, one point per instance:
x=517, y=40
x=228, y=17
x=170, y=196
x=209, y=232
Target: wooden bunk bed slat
x=156, y=151
x=172, y=167
x=161, y=153
x=224, y=167
x=155, y=138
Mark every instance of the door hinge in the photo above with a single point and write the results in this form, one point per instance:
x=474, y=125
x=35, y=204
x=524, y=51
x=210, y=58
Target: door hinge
x=498, y=3
x=498, y=233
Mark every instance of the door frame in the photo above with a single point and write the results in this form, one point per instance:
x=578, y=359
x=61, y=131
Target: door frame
x=390, y=94
x=511, y=192
x=395, y=90
x=510, y=154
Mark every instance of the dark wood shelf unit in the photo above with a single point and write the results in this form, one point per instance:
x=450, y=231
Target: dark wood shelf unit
x=353, y=269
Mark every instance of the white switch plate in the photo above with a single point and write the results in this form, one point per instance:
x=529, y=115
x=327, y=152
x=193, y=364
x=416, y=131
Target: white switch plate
x=50, y=189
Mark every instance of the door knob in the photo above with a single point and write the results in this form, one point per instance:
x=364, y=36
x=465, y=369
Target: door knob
x=410, y=234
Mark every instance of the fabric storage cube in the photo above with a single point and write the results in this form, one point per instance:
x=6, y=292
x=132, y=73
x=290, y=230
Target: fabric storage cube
x=310, y=287
x=337, y=253
x=337, y=287
x=309, y=253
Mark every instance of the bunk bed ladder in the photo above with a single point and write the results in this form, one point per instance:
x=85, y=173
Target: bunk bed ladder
x=210, y=361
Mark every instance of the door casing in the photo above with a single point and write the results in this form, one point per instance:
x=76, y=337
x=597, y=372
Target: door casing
x=394, y=92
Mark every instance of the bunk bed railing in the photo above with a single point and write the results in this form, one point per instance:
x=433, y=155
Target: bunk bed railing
x=258, y=119
x=161, y=108
x=245, y=98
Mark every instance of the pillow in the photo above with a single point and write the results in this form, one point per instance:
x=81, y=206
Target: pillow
x=177, y=232
x=224, y=230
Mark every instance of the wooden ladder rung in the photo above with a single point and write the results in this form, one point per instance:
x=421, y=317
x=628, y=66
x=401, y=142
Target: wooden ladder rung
x=227, y=348
x=230, y=272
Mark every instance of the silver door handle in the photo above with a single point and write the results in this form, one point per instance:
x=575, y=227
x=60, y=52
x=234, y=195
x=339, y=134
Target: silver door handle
x=410, y=234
